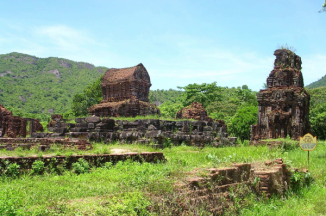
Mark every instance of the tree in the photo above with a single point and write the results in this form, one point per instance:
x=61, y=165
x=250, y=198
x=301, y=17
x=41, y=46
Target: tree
x=203, y=93
x=241, y=121
x=169, y=109
x=92, y=94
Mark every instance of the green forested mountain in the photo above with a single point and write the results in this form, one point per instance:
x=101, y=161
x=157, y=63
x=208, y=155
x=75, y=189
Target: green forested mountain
x=43, y=85
x=319, y=83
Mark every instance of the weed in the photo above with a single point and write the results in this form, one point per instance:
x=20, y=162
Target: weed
x=167, y=143
x=12, y=169
x=82, y=166
x=38, y=167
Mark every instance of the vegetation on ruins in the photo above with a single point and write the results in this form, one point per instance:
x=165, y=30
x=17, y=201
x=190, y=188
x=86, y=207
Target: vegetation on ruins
x=131, y=188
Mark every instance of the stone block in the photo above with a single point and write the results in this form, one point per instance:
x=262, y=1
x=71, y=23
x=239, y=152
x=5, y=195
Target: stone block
x=81, y=125
x=208, y=128
x=43, y=147
x=233, y=140
x=80, y=120
x=78, y=129
x=93, y=119
x=60, y=130
x=90, y=125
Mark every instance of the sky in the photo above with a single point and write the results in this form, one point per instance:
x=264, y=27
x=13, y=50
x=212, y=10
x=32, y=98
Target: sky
x=180, y=42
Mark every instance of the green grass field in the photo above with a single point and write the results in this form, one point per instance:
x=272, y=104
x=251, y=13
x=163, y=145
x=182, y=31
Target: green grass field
x=127, y=187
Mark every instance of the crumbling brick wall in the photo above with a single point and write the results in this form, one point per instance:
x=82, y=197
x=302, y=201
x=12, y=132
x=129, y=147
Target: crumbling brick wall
x=283, y=108
x=129, y=108
x=14, y=126
x=194, y=111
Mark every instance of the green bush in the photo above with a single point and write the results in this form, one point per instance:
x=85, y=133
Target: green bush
x=12, y=169
x=38, y=167
x=82, y=166
x=169, y=109
x=241, y=121
x=300, y=180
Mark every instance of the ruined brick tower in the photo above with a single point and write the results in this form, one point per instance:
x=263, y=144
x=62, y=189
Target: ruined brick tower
x=125, y=93
x=121, y=84
x=283, y=108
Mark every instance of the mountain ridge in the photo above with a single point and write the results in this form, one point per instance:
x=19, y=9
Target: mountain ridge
x=43, y=85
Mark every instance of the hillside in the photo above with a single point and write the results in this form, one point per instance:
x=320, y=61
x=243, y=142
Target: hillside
x=319, y=83
x=43, y=85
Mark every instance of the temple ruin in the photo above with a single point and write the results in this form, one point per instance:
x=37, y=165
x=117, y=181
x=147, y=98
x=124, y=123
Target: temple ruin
x=125, y=93
x=283, y=108
x=14, y=126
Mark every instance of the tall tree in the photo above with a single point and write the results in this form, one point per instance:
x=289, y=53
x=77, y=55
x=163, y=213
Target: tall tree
x=203, y=93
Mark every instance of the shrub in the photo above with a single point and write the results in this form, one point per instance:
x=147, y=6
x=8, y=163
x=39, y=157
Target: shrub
x=241, y=121
x=167, y=143
x=12, y=170
x=300, y=180
x=82, y=166
x=38, y=167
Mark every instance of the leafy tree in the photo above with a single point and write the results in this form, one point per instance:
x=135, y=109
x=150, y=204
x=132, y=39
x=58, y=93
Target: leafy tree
x=92, y=94
x=160, y=96
x=169, y=109
x=203, y=93
x=318, y=120
x=241, y=121
x=232, y=100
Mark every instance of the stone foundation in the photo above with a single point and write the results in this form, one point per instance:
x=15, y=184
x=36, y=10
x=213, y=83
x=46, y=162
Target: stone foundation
x=96, y=160
x=11, y=144
x=197, y=133
x=212, y=191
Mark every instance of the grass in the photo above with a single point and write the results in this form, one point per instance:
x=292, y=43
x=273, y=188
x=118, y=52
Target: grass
x=59, y=150
x=126, y=188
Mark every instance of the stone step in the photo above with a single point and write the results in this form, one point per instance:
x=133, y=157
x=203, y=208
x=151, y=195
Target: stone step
x=196, y=182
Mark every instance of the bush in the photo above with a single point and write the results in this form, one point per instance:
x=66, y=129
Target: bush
x=12, y=170
x=241, y=121
x=300, y=180
x=169, y=109
x=82, y=166
x=38, y=167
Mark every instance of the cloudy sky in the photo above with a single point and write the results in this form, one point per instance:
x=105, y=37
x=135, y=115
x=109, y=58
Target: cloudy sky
x=179, y=42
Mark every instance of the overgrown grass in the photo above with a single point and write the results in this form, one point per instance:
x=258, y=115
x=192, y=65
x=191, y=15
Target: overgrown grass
x=126, y=188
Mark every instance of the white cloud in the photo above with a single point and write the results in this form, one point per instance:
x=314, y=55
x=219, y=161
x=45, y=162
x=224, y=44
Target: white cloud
x=65, y=38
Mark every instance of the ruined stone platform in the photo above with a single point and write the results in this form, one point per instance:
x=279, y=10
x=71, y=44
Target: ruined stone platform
x=213, y=190
x=96, y=160
x=144, y=131
x=26, y=143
